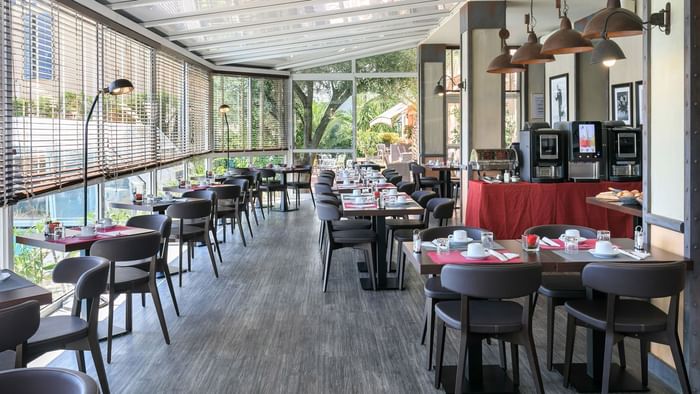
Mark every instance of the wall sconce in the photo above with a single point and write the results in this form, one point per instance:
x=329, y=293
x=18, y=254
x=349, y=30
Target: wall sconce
x=440, y=89
x=608, y=52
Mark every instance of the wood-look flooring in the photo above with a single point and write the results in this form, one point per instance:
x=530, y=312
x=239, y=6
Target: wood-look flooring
x=264, y=326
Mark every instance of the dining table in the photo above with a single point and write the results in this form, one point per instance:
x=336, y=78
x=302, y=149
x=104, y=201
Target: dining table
x=283, y=172
x=73, y=240
x=15, y=290
x=445, y=176
x=365, y=205
x=585, y=377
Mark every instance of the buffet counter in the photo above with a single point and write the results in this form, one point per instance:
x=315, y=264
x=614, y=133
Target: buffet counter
x=509, y=209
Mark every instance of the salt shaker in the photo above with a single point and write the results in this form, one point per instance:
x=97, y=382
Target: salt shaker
x=506, y=176
x=638, y=238
x=416, y=241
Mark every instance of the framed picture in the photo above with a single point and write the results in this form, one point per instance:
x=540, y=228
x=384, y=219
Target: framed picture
x=638, y=110
x=621, y=103
x=558, y=99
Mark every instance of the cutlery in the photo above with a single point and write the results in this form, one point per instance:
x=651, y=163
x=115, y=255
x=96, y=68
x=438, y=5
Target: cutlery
x=497, y=255
x=631, y=254
x=549, y=242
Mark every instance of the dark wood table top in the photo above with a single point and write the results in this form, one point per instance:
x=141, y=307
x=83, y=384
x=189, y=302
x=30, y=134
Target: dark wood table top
x=73, y=242
x=443, y=167
x=411, y=208
x=551, y=262
x=158, y=206
x=178, y=189
x=27, y=293
x=634, y=210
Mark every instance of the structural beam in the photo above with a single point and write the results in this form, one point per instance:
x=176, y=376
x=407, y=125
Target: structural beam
x=378, y=50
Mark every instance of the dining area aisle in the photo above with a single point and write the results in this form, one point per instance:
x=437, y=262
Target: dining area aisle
x=265, y=326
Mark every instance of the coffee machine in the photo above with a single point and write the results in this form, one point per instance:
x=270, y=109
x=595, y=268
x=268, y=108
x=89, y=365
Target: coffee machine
x=543, y=154
x=623, y=151
x=586, y=159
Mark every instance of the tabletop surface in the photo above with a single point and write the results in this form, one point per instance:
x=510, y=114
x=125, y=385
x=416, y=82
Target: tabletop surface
x=550, y=260
x=74, y=242
x=351, y=207
x=28, y=291
x=634, y=210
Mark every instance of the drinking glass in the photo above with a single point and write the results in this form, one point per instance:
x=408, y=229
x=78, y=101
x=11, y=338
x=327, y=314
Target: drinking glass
x=603, y=235
x=530, y=242
x=58, y=232
x=487, y=239
x=571, y=244
x=443, y=245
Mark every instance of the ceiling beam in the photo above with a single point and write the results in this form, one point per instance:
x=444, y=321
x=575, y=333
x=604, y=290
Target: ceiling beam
x=333, y=49
x=317, y=17
x=340, y=29
x=287, y=45
x=377, y=50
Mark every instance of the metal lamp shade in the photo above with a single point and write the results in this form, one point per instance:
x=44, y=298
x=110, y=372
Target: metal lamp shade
x=621, y=22
x=439, y=90
x=607, y=51
x=120, y=86
x=531, y=52
x=566, y=40
x=224, y=108
x=502, y=64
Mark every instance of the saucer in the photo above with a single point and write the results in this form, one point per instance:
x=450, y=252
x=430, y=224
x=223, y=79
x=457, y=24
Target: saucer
x=4, y=275
x=461, y=241
x=605, y=255
x=468, y=257
x=580, y=239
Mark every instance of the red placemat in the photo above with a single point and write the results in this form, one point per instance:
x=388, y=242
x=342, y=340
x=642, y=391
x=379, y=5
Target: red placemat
x=354, y=205
x=455, y=257
x=583, y=245
x=386, y=186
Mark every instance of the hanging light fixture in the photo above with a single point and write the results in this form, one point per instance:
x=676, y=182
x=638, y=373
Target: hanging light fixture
x=566, y=40
x=531, y=51
x=502, y=63
x=607, y=52
x=624, y=23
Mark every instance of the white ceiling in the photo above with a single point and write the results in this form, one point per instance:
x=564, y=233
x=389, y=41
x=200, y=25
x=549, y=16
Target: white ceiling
x=293, y=34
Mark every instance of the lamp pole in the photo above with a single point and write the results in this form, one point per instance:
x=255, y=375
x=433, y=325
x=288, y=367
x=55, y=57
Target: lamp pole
x=223, y=109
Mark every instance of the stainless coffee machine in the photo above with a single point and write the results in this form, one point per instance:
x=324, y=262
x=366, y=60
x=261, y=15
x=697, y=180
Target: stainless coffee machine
x=543, y=154
x=623, y=152
x=586, y=159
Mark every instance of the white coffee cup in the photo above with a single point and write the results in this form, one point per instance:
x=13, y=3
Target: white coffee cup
x=401, y=199
x=107, y=222
x=604, y=247
x=168, y=196
x=381, y=182
x=393, y=192
x=572, y=233
x=346, y=182
x=356, y=192
x=87, y=230
x=475, y=250
x=459, y=236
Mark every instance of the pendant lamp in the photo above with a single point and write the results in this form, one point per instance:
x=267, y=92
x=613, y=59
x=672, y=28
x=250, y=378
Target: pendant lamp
x=502, y=63
x=531, y=51
x=621, y=22
x=566, y=40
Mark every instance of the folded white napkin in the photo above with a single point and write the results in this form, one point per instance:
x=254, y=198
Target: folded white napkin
x=549, y=242
x=635, y=254
x=502, y=256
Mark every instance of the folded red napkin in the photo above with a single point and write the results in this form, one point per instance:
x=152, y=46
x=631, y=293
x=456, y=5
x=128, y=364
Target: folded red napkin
x=583, y=245
x=455, y=257
x=354, y=205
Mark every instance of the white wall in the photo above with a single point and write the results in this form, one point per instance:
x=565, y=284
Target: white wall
x=487, y=88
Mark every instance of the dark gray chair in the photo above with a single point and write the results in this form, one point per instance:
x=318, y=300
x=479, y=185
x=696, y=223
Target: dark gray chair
x=395, y=179
x=361, y=238
x=46, y=380
x=72, y=332
x=129, y=280
x=302, y=180
x=214, y=200
x=432, y=289
x=559, y=288
x=487, y=310
x=256, y=194
x=424, y=182
x=619, y=316
x=230, y=203
x=243, y=202
x=395, y=225
x=162, y=224
x=270, y=185
x=185, y=233
x=406, y=187
x=249, y=192
x=17, y=324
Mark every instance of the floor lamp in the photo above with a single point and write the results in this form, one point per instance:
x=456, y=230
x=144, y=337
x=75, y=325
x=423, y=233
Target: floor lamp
x=223, y=109
x=116, y=88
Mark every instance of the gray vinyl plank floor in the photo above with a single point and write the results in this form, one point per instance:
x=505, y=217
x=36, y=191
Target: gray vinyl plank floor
x=264, y=326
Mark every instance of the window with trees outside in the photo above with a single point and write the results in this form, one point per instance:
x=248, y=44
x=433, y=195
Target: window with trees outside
x=453, y=73
x=512, y=107
x=355, y=109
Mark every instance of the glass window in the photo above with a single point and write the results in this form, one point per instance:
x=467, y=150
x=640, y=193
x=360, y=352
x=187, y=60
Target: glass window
x=454, y=109
x=323, y=114
x=122, y=190
x=322, y=161
x=169, y=176
x=399, y=61
x=512, y=107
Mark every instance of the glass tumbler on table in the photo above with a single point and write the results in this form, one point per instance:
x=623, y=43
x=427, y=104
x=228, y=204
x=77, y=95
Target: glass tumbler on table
x=603, y=235
x=570, y=244
x=58, y=232
x=443, y=245
x=487, y=240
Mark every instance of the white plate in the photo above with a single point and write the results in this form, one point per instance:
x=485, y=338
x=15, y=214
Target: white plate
x=466, y=256
x=4, y=275
x=605, y=255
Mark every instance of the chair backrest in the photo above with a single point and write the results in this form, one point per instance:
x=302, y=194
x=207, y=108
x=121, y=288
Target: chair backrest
x=555, y=230
x=406, y=187
x=135, y=247
x=190, y=210
x=240, y=171
x=328, y=199
x=441, y=208
x=395, y=179
x=324, y=181
x=389, y=171
x=433, y=233
x=160, y=223
x=417, y=171
x=422, y=197
x=267, y=174
x=87, y=273
x=230, y=190
x=327, y=212
x=47, y=380
x=641, y=280
x=327, y=172
x=492, y=281
x=322, y=188
x=17, y=324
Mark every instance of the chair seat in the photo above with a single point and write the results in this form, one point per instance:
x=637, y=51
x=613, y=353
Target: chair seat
x=129, y=275
x=404, y=235
x=354, y=236
x=404, y=223
x=352, y=224
x=61, y=329
x=562, y=286
x=631, y=316
x=433, y=289
x=47, y=380
x=486, y=317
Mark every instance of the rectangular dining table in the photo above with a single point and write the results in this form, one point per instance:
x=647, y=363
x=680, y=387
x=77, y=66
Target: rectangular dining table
x=378, y=215
x=16, y=290
x=585, y=377
x=444, y=176
x=73, y=241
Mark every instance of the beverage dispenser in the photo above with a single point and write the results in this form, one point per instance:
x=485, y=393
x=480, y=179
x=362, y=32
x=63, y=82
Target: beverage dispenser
x=543, y=154
x=586, y=159
x=624, y=152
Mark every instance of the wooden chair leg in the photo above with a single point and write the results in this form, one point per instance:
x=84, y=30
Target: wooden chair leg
x=128, y=316
x=99, y=364
x=110, y=326
x=327, y=268
x=247, y=219
x=644, y=357
x=569, y=351
x=534, y=362
x=439, y=353
x=240, y=230
x=502, y=355
x=678, y=359
x=607, y=361
x=207, y=241
x=621, y=352
x=159, y=310
x=515, y=362
x=80, y=360
x=426, y=316
x=179, y=274
x=431, y=332
x=190, y=247
x=461, y=361
x=169, y=281
x=550, y=332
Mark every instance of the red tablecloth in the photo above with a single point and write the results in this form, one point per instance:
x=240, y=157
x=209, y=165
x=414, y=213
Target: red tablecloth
x=509, y=209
